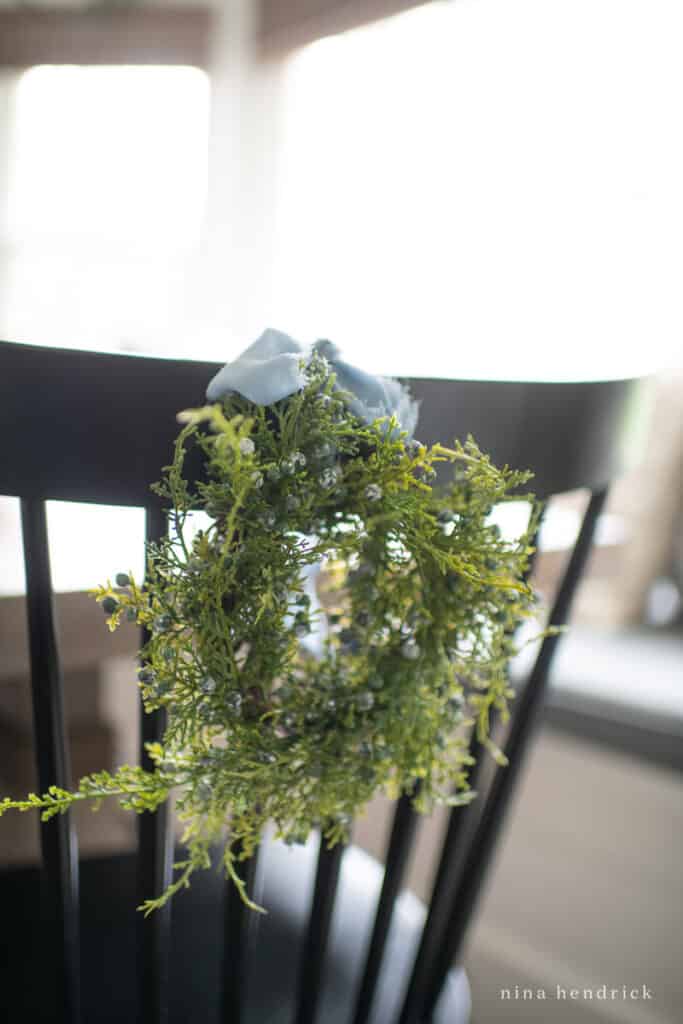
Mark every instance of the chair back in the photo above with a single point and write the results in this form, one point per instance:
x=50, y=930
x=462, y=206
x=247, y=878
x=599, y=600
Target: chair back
x=92, y=427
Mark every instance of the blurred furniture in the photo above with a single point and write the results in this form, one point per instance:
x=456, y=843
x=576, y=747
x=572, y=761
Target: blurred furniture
x=89, y=728
x=341, y=938
x=620, y=689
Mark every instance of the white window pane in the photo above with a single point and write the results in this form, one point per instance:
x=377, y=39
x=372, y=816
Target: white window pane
x=107, y=187
x=109, y=152
x=489, y=189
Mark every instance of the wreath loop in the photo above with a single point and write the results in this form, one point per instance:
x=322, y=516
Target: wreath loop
x=334, y=626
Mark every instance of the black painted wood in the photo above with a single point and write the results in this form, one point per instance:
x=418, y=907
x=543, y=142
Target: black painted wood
x=445, y=891
x=447, y=874
x=457, y=914
x=318, y=933
x=400, y=845
x=155, y=857
x=240, y=929
x=98, y=427
x=57, y=837
x=108, y=923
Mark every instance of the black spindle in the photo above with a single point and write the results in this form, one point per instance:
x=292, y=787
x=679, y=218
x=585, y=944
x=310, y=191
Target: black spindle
x=315, y=945
x=444, y=889
x=526, y=714
x=400, y=845
x=57, y=837
x=241, y=924
x=445, y=880
x=155, y=858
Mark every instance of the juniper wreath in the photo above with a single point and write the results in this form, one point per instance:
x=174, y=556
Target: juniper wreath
x=293, y=694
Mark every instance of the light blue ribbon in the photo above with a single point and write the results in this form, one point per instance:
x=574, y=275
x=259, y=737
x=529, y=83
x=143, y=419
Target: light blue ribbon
x=273, y=368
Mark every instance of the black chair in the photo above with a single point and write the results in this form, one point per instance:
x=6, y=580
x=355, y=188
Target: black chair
x=342, y=942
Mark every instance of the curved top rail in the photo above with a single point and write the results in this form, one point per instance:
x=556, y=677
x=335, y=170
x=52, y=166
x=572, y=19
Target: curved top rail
x=96, y=427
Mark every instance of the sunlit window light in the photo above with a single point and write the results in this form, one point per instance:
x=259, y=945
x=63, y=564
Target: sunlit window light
x=107, y=186
x=489, y=190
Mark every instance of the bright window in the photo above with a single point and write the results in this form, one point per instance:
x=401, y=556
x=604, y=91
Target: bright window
x=107, y=183
x=489, y=189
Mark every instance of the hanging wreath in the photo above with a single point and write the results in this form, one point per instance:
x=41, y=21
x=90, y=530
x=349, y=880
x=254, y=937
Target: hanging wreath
x=335, y=626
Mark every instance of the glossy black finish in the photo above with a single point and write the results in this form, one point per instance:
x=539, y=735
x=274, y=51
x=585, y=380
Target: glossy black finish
x=528, y=704
x=445, y=889
x=317, y=935
x=155, y=858
x=95, y=427
x=59, y=890
x=241, y=926
x=109, y=920
x=400, y=846
x=99, y=427
x=447, y=874
x=571, y=435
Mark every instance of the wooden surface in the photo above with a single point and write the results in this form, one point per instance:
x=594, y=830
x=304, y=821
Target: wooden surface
x=120, y=35
x=287, y=24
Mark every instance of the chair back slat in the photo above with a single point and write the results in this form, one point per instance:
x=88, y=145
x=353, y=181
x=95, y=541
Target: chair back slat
x=400, y=846
x=443, y=886
x=449, y=868
x=57, y=837
x=240, y=929
x=155, y=856
x=318, y=931
x=525, y=717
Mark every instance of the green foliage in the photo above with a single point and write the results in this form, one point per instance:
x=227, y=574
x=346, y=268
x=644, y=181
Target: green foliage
x=423, y=597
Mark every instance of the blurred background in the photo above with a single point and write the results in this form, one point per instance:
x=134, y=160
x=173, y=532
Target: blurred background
x=469, y=189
